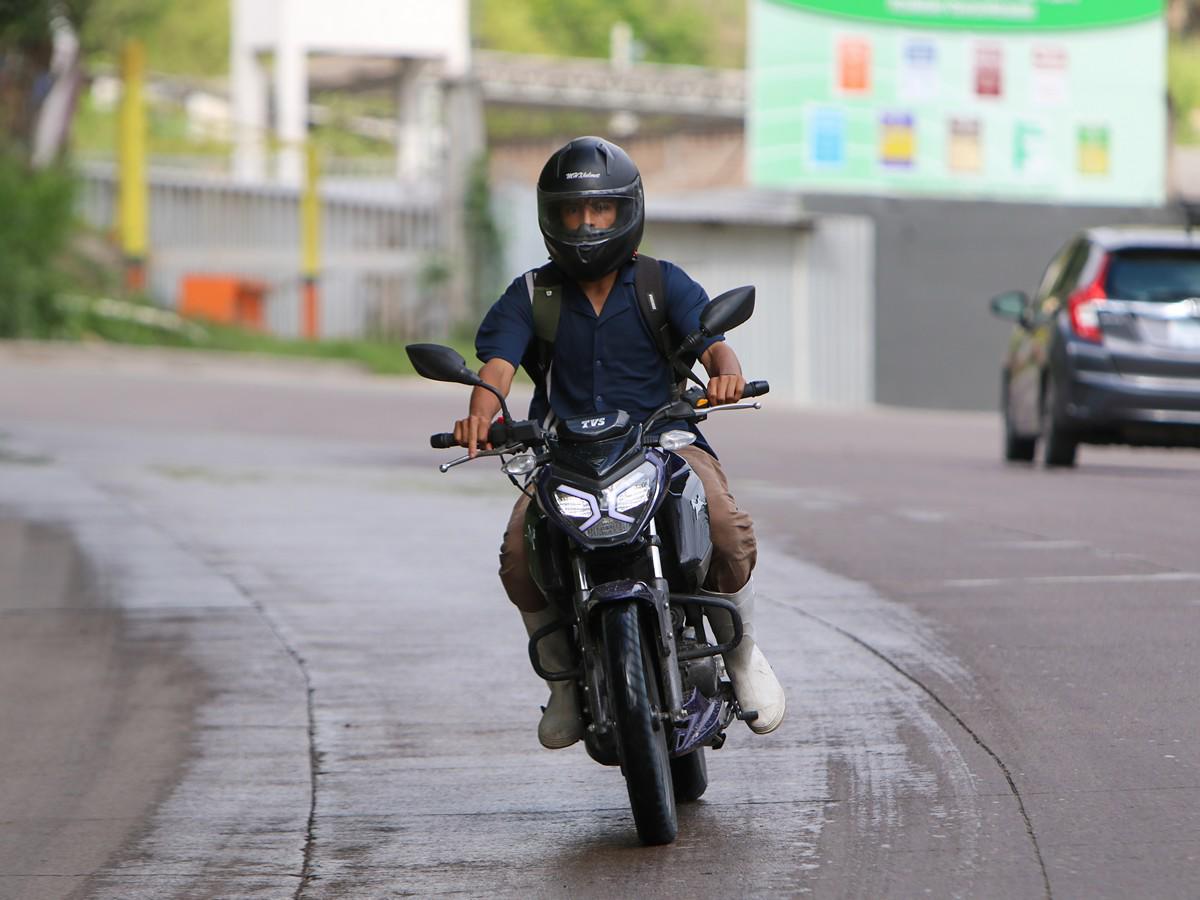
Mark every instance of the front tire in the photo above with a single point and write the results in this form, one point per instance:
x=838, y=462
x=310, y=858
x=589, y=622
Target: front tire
x=1016, y=448
x=1059, y=445
x=641, y=734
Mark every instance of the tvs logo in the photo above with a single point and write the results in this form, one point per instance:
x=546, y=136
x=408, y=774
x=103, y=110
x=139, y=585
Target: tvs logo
x=592, y=423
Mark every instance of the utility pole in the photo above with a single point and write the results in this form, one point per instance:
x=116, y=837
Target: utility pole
x=133, y=201
x=310, y=240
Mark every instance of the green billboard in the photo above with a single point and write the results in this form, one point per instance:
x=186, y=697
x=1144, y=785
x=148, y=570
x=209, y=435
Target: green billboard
x=1046, y=100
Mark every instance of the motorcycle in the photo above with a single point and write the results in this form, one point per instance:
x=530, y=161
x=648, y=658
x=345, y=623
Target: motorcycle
x=619, y=544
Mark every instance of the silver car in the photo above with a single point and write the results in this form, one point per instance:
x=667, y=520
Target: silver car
x=1108, y=349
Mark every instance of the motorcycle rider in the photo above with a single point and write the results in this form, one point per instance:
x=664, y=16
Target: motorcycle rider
x=591, y=215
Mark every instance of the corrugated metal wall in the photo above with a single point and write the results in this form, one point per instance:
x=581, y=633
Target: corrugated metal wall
x=840, y=308
x=812, y=334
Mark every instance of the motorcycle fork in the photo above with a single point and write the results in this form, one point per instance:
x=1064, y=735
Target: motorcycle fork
x=663, y=648
x=591, y=665
x=667, y=652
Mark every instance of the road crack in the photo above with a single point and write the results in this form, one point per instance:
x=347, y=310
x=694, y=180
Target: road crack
x=958, y=719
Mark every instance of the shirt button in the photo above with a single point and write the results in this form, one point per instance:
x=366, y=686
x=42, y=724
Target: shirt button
x=599, y=364
x=599, y=398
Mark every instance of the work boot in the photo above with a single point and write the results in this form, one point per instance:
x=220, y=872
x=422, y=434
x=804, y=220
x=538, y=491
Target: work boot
x=754, y=681
x=561, y=725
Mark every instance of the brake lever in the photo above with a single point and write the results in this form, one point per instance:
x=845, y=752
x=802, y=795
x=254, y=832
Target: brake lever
x=499, y=451
x=751, y=404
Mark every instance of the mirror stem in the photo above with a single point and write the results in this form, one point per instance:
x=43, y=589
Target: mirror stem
x=499, y=396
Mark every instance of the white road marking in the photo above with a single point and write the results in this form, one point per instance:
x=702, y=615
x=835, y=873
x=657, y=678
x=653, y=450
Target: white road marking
x=1039, y=545
x=1131, y=578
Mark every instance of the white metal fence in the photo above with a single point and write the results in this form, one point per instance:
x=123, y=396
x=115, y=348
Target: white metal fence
x=382, y=246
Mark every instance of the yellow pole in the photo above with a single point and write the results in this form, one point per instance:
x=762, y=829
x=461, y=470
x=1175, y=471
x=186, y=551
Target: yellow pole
x=310, y=232
x=132, y=200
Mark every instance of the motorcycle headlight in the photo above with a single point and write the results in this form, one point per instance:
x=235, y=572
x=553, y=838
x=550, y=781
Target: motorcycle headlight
x=632, y=492
x=612, y=513
x=577, y=505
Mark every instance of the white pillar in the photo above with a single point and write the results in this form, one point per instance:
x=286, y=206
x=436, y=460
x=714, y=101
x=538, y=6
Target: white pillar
x=419, y=113
x=291, y=96
x=249, y=114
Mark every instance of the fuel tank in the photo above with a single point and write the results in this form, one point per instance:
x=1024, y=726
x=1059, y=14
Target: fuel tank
x=683, y=526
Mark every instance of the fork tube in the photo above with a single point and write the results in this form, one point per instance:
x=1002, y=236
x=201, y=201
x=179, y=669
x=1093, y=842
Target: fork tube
x=592, y=686
x=667, y=651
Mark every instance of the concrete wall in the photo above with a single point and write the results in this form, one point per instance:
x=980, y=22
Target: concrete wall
x=937, y=265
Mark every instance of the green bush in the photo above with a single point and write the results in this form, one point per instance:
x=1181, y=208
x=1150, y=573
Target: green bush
x=35, y=228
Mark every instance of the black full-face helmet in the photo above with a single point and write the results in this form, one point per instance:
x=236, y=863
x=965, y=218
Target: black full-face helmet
x=590, y=208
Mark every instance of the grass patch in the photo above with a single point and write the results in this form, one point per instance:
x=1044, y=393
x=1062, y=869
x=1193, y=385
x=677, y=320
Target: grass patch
x=143, y=323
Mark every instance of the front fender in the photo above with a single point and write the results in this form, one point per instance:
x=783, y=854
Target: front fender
x=620, y=591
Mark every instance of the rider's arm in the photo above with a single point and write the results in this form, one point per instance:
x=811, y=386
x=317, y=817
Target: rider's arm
x=725, y=381
x=472, y=431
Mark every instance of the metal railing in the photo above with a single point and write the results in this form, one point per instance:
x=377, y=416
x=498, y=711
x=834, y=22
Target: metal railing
x=383, y=245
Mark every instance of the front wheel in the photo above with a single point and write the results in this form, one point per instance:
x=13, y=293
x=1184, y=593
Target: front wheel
x=1059, y=445
x=1016, y=448
x=641, y=734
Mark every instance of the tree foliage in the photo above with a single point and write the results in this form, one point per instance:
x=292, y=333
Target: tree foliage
x=34, y=230
x=687, y=32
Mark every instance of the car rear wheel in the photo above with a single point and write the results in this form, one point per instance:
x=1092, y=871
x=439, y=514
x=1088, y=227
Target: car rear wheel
x=1059, y=445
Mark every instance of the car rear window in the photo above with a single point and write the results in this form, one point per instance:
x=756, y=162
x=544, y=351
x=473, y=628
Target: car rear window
x=1154, y=275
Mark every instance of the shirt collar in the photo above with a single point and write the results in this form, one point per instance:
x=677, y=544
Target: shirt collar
x=625, y=276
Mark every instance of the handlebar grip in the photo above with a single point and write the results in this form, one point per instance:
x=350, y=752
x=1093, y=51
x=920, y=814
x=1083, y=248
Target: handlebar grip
x=442, y=441
x=756, y=388
x=497, y=434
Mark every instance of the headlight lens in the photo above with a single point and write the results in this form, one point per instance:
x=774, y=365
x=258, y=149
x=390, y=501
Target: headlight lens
x=633, y=497
x=573, y=504
x=632, y=491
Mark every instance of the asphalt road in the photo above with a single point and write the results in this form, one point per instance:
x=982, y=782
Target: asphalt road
x=252, y=645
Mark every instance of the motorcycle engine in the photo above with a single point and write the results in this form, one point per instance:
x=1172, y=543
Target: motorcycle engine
x=699, y=673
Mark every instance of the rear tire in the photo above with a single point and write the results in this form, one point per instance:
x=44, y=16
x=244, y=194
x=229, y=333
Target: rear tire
x=689, y=774
x=641, y=735
x=1059, y=445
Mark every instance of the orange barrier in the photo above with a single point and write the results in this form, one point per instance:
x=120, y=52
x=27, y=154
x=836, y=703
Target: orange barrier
x=227, y=299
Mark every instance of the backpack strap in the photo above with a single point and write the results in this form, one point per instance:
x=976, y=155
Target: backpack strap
x=652, y=304
x=545, y=294
x=652, y=301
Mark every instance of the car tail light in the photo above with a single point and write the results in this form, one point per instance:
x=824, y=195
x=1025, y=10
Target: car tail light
x=1083, y=306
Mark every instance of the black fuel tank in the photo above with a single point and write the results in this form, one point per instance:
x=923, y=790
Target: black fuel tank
x=683, y=525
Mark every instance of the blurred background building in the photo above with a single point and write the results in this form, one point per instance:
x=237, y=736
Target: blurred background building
x=877, y=170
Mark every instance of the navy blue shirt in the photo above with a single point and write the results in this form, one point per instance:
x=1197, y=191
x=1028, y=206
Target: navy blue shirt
x=601, y=363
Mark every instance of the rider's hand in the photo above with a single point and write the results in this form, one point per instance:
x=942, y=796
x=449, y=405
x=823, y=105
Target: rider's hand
x=471, y=432
x=725, y=389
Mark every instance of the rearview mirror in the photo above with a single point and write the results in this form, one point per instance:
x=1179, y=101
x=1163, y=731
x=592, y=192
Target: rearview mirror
x=440, y=363
x=727, y=311
x=1010, y=305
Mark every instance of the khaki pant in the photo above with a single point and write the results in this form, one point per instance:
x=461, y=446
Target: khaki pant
x=734, y=547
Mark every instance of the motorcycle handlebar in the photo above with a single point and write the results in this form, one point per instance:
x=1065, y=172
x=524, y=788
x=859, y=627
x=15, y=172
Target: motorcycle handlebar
x=756, y=388
x=497, y=437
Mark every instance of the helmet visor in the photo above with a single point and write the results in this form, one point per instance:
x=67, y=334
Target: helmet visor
x=586, y=219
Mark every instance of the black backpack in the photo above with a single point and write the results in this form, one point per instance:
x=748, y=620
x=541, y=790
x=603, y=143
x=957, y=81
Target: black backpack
x=545, y=293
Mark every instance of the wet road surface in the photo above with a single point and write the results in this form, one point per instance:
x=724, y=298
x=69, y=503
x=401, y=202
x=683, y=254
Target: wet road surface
x=991, y=669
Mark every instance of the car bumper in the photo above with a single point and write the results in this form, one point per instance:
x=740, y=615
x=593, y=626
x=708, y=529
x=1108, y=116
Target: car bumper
x=1134, y=410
